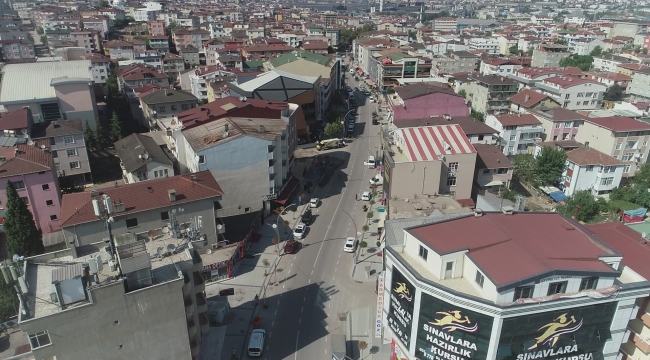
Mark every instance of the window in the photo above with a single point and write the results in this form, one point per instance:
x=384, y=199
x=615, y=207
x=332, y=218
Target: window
x=590, y=168
x=585, y=103
x=57, y=166
x=39, y=339
x=588, y=283
x=75, y=165
x=480, y=279
x=523, y=292
x=25, y=200
x=567, y=96
x=511, y=149
x=68, y=139
x=607, y=181
x=201, y=159
x=589, y=94
x=71, y=152
x=486, y=171
x=645, y=143
x=19, y=184
x=581, y=94
x=49, y=202
x=423, y=252
x=453, y=166
x=630, y=145
x=451, y=181
x=46, y=187
x=174, y=107
x=557, y=288
x=626, y=169
x=481, y=137
x=568, y=124
x=513, y=137
x=53, y=218
x=566, y=103
x=162, y=109
x=164, y=216
x=627, y=157
x=502, y=170
x=131, y=223
x=55, y=154
x=184, y=106
x=618, y=146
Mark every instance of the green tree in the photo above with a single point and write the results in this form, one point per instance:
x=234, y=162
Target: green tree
x=413, y=35
x=89, y=136
x=23, y=237
x=477, y=115
x=613, y=93
x=548, y=166
x=645, y=50
x=462, y=93
x=597, y=51
x=524, y=170
x=582, y=61
x=514, y=50
x=530, y=51
x=44, y=39
x=8, y=301
x=333, y=129
x=100, y=135
x=103, y=4
x=40, y=31
x=111, y=88
x=115, y=128
x=585, y=203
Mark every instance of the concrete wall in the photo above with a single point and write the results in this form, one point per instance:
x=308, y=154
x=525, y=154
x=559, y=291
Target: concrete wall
x=94, y=231
x=64, y=160
x=77, y=101
x=37, y=198
x=149, y=323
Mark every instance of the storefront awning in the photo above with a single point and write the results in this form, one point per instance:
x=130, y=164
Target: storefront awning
x=490, y=183
x=288, y=190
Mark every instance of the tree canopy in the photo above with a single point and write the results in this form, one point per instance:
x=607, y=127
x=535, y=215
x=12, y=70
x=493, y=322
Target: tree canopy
x=23, y=237
x=613, y=93
x=582, y=61
x=596, y=51
x=586, y=205
x=348, y=35
x=548, y=166
x=333, y=128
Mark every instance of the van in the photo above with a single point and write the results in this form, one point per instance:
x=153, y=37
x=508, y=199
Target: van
x=370, y=163
x=256, y=342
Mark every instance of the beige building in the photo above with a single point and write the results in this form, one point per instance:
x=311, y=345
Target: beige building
x=165, y=103
x=623, y=138
x=428, y=161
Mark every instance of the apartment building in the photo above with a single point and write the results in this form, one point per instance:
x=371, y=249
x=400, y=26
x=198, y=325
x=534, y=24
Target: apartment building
x=159, y=43
x=454, y=62
x=609, y=62
x=574, y=93
x=17, y=50
x=623, y=138
x=263, y=52
x=640, y=85
x=445, y=24
x=517, y=132
x=549, y=55
x=490, y=94
x=489, y=45
x=389, y=70
x=559, y=123
x=497, y=66
x=139, y=75
x=425, y=100
x=165, y=103
x=142, y=159
x=100, y=67
x=90, y=40
x=121, y=50
x=493, y=171
x=527, y=100
x=591, y=170
x=156, y=28
x=183, y=38
x=506, y=281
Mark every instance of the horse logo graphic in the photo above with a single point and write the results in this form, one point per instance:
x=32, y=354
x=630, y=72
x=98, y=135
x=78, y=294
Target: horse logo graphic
x=561, y=326
x=403, y=291
x=453, y=320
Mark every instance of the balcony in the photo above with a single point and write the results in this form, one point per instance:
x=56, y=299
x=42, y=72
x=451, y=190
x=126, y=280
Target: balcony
x=201, y=303
x=199, y=283
x=194, y=348
x=204, y=324
x=191, y=328
x=188, y=304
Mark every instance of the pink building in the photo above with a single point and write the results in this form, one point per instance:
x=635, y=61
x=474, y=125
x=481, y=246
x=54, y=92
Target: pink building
x=559, y=123
x=156, y=28
x=30, y=168
x=422, y=100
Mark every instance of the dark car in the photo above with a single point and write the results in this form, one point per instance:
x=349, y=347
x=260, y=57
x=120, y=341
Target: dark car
x=306, y=217
x=375, y=121
x=291, y=246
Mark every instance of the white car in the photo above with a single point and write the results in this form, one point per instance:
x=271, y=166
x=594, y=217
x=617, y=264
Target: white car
x=377, y=180
x=299, y=231
x=314, y=202
x=350, y=244
x=372, y=99
x=365, y=196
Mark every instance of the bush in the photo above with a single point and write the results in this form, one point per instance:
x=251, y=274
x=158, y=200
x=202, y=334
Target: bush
x=365, y=228
x=363, y=244
x=378, y=243
x=370, y=215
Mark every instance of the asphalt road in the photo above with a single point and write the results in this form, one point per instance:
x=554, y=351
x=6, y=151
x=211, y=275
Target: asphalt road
x=314, y=290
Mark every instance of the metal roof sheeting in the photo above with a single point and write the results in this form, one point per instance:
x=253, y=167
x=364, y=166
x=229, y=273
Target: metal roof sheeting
x=22, y=82
x=428, y=143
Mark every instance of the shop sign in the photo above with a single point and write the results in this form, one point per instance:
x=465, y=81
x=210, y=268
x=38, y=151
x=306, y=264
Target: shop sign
x=380, y=306
x=400, y=311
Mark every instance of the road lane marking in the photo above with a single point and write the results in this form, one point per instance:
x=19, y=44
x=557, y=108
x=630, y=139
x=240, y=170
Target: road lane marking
x=296, y=352
x=301, y=310
x=276, y=312
x=270, y=333
x=272, y=323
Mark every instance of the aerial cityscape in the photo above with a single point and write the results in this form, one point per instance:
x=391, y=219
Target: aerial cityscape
x=317, y=179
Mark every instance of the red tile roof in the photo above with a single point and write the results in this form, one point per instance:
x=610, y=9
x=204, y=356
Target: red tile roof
x=28, y=159
x=490, y=157
x=568, y=81
x=528, y=98
x=517, y=119
x=427, y=143
x=231, y=106
x=516, y=248
x=619, y=123
x=627, y=242
x=142, y=196
x=17, y=119
x=589, y=156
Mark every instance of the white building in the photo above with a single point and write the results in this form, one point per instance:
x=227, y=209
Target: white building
x=517, y=132
x=489, y=45
x=197, y=80
x=573, y=93
x=142, y=159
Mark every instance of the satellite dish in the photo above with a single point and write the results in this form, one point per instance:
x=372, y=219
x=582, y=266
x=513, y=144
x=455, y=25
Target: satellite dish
x=165, y=230
x=24, y=131
x=18, y=258
x=160, y=251
x=30, y=143
x=42, y=147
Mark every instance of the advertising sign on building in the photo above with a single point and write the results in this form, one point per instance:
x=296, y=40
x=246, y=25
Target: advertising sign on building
x=447, y=331
x=380, y=306
x=578, y=333
x=396, y=352
x=400, y=312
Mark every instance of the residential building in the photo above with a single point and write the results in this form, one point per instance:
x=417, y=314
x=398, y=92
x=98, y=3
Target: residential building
x=197, y=80
x=57, y=91
x=211, y=49
x=165, y=103
x=445, y=24
x=640, y=85
x=490, y=94
x=507, y=280
x=68, y=148
x=609, y=62
x=528, y=100
x=428, y=161
x=573, y=93
x=493, y=171
x=389, y=70
x=591, y=170
x=506, y=42
x=263, y=52
x=217, y=88
x=30, y=169
x=90, y=40
x=622, y=138
x=17, y=50
x=549, y=55
x=121, y=50
x=454, y=62
x=159, y=43
x=476, y=131
x=630, y=69
x=517, y=132
x=142, y=159
x=559, y=123
x=629, y=28
x=138, y=75
x=101, y=68
x=156, y=28
x=424, y=100
x=190, y=56
x=489, y=45
x=529, y=77
x=611, y=79
x=172, y=63
x=497, y=66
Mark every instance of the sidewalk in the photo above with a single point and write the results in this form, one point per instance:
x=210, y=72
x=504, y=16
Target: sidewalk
x=369, y=261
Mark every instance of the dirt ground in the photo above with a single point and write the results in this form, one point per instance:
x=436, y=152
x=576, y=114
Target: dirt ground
x=535, y=199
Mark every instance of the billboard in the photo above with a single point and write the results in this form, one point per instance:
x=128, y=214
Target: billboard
x=446, y=331
x=578, y=333
x=400, y=311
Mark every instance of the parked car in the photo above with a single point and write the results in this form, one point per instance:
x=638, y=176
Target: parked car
x=375, y=121
x=291, y=246
x=299, y=231
x=350, y=244
x=377, y=180
x=306, y=217
x=365, y=196
x=314, y=202
x=256, y=342
x=370, y=163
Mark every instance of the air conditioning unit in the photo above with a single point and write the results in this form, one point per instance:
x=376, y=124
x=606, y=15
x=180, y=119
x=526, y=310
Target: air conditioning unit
x=450, y=174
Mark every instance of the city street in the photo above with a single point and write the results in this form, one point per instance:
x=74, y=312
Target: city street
x=313, y=292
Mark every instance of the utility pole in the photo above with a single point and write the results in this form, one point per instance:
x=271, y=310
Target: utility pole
x=104, y=211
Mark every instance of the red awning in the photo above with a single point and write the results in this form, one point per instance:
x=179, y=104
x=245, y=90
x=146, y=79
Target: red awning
x=360, y=70
x=288, y=190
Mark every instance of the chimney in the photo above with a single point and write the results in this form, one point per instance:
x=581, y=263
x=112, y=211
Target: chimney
x=527, y=98
x=172, y=195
